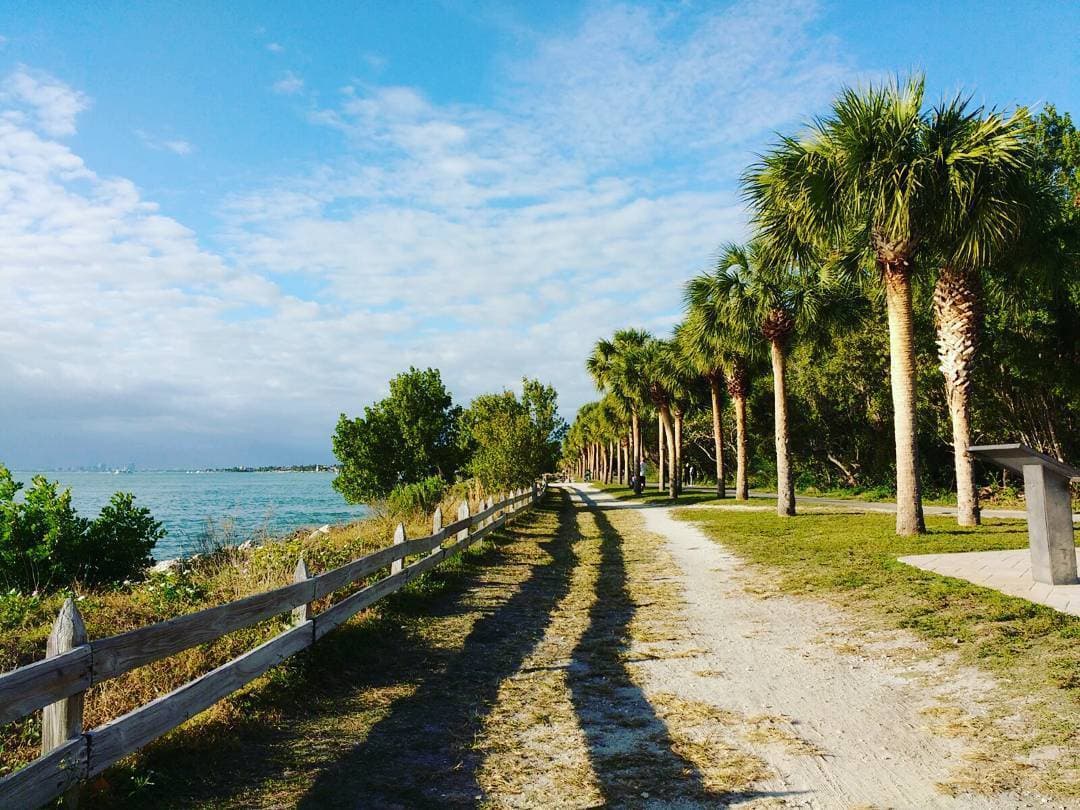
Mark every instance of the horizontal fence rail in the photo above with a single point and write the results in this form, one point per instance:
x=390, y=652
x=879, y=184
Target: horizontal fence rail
x=74, y=664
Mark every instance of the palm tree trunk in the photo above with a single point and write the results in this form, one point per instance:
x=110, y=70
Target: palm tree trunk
x=956, y=316
x=909, y=511
x=668, y=431
x=660, y=472
x=635, y=427
x=785, y=486
x=678, y=477
x=718, y=434
x=742, y=487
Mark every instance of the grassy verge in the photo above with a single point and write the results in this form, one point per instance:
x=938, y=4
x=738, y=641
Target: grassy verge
x=209, y=580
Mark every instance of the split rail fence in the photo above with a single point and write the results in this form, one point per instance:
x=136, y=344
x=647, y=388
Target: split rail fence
x=73, y=664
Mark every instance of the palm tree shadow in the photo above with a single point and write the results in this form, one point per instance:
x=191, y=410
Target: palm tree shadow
x=422, y=754
x=630, y=747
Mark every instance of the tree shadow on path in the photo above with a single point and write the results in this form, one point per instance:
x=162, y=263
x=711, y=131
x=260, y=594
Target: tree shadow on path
x=422, y=754
x=631, y=748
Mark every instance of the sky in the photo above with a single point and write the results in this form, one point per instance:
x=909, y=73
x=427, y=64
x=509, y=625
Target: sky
x=222, y=225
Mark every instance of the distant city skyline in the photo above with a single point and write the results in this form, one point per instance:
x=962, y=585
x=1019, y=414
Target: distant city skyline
x=220, y=227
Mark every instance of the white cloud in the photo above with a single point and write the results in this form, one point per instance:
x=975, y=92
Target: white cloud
x=289, y=84
x=177, y=146
x=275, y=47
x=53, y=105
x=489, y=241
x=634, y=82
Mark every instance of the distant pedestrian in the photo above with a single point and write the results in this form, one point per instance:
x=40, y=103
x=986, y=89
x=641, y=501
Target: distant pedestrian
x=690, y=474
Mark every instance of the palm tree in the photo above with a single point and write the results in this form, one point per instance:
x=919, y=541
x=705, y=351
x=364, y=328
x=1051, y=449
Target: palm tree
x=982, y=181
x=614, y=371
x=610, y=419
x=860, y=188
x=774, y=300
x=678, y=381
x=722, y=355
x=659, y=382
x=696, y=356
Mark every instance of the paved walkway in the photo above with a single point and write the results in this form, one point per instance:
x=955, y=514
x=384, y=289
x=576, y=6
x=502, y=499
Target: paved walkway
x=1005, y=571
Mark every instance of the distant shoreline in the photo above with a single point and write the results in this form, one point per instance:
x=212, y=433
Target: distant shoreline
x=318, y=468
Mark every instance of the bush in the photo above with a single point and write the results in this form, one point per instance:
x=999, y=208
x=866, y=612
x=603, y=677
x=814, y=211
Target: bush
x=45, y=544
x=423, y=496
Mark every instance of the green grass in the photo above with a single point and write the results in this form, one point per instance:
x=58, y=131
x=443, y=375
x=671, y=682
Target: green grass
x=653, y=496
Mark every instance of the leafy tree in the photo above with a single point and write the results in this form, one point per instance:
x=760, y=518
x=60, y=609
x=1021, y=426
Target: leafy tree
x=45, y=544
x=515, y=440
x=1032, y=324
x=117, y=543
x=409, y=436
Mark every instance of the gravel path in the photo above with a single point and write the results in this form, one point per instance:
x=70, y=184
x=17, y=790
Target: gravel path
x=863, y=715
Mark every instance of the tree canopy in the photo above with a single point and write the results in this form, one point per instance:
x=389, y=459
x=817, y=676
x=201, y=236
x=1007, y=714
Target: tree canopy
x=409, y=436
x=514, y=441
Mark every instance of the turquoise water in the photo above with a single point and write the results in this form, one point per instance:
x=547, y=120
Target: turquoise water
x=248, y=503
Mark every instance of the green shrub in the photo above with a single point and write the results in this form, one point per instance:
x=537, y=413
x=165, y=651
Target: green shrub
x=423, y=496
x=45, y=544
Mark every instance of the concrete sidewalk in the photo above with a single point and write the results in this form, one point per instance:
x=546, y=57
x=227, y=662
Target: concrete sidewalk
x=1005, y=571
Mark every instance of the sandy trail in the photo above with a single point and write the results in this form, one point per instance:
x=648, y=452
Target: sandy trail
x=779, y=657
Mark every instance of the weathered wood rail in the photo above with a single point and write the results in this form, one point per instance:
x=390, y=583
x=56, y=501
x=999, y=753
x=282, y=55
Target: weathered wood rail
x=74, y=663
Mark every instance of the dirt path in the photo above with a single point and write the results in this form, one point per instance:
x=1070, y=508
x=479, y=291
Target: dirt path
x=861, y=720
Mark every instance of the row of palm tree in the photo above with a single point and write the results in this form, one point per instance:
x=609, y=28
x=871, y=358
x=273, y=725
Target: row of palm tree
x=878, y=195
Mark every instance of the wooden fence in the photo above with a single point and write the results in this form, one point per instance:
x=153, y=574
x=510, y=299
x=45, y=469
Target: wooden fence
x=73, y=664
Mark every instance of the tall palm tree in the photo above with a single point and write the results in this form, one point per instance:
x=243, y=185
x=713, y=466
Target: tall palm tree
x=723, y=356
x=773, y=300
x=610, y=425
x=698, y=356
x=655, y=364
x=859, y=189
x=614, y=371
x=678, y=381
x=981, y=168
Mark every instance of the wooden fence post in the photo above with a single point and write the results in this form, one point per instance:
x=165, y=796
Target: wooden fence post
x=436, y=528
x=62, y=721
x=399, y=538
x=301, y=613
x=462, y=513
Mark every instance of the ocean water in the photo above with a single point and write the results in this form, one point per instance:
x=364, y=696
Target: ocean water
x=249, y=503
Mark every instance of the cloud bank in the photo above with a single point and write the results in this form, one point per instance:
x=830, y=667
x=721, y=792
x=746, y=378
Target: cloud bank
x=490, y=241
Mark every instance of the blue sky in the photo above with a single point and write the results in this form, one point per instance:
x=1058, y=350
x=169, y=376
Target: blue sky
x=222, y=225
